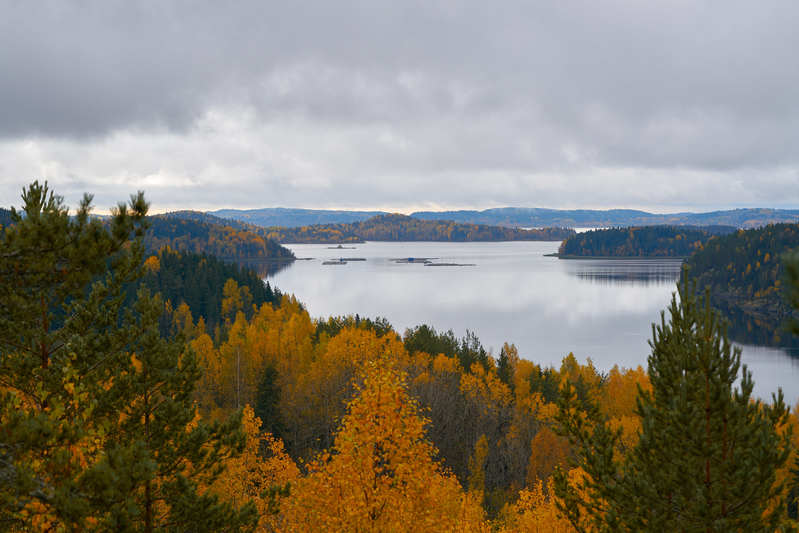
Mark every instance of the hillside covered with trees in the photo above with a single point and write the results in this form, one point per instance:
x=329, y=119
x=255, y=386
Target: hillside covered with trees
x=404, y=228
x=110, y=421
x=202, y=282
x=745, y=274
x=202, y=236
x=647, y=241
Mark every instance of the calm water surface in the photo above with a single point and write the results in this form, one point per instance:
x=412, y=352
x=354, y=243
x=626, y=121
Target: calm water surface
x=598, y=309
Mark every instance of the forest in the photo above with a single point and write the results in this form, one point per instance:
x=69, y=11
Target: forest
x=647, y=241
x=745, y=274
x=120, y=415
x=200, y=282
x=204, y=236
x=404, y=228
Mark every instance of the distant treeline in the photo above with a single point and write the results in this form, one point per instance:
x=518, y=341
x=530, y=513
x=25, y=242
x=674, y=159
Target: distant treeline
x=647, y=241
x=204, y=236
x=404, y=228
x=745, y=274
x=202, y=282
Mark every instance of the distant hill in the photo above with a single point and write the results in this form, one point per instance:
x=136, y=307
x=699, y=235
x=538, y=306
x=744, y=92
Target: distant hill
x=647, y=241
x=537, y=217
x=744, y=272
x=530, y=217
x=404, y=228
x=198, y=234
x=294, y=218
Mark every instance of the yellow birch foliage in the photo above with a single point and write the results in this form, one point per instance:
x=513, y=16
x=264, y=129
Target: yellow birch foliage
x=536, y=512
x=249, y=476
x=380, y=474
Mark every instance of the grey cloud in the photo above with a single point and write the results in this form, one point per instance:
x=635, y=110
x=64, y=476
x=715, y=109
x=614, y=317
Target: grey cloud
x=471, y=102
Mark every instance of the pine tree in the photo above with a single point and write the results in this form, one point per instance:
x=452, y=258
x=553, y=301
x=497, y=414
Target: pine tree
x=708, y=452
x=74, y=366
x=61, y=281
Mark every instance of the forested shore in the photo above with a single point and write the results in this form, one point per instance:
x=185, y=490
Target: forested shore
x=237, y=411
x=403, y=228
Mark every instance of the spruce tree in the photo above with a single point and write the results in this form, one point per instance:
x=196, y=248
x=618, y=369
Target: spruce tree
x=708, y=452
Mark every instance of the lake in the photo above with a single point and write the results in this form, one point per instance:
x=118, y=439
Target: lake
x=547, y=307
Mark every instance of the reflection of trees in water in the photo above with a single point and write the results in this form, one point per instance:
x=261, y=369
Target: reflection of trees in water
x=265, y=268
x=626, y=272
x=745, y=328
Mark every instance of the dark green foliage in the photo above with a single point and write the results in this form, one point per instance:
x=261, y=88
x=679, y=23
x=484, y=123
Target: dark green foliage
x=547, y=382
x=198, y=280
x=707, y=454
x=648, y=241
x=504, y=368
x=267, y=402
x=334, y=324
x=745, y=274
x=426, y=339
x=404, y=228
x=226, y=242
x=468, y=349
x=150, y=446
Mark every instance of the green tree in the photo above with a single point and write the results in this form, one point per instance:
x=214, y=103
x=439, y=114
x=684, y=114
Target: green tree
x=708, y=452
x=71, y=456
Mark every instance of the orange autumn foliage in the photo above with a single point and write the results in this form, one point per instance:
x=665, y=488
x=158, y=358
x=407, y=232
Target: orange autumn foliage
x=380, y=474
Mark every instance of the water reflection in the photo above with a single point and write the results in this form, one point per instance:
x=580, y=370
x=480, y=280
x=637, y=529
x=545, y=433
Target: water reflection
x=548, y=307
x=265, y=268
x=747, y=329
x=625, y=271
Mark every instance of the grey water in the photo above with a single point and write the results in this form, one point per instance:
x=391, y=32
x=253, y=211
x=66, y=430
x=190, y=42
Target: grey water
x=547, y=307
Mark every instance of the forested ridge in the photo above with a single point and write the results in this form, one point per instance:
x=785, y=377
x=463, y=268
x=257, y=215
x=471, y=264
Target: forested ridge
x=200, y=282
x=134, y=416
x=404, y=228
x=647, y=241
x=200, y=235
x=745, y=274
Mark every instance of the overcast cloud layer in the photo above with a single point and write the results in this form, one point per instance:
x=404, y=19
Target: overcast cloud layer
x=403, y=105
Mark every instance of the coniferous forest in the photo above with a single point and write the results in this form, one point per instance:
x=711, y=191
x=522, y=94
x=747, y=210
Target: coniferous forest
x=131, y=400
x=646, y=241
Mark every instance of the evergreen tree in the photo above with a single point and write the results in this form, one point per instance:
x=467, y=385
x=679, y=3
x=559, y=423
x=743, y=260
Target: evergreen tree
x=267, y=402
x=707, y=454
x=72, y=455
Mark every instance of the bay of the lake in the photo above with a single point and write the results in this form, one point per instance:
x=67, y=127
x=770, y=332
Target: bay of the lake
x=547, y=307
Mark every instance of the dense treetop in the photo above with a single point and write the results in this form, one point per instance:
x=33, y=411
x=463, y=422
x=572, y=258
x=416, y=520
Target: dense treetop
x=404, y=228
x=646, y=241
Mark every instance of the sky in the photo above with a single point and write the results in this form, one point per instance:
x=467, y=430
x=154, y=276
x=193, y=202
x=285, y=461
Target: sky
x=403, y=105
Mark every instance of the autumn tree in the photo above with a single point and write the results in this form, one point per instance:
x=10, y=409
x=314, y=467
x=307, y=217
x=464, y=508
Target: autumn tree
x=381, y=474
x=708, y=452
